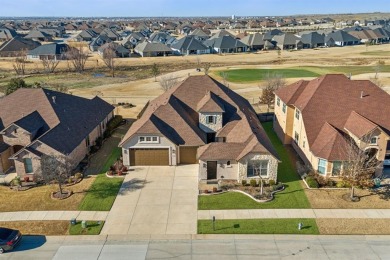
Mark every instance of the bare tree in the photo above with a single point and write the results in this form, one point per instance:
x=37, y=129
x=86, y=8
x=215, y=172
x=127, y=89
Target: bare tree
x=225, y=76
x=207, y=67
x=49, y=65
x=57, y=168
x=167, y=82
x=272, y=83
x=198, y=62
x=359, y=168
x=20, y=62
x=155, y=71
x=77, y=57
x=109, y=55
x=378, y=67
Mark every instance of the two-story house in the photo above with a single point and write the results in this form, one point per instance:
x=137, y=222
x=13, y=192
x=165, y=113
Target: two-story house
x=200, y=121
x=34, y=122
x=320, y=118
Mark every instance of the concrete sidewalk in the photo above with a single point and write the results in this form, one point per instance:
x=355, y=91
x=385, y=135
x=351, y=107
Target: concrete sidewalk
x=294, y=213
x=53, y=215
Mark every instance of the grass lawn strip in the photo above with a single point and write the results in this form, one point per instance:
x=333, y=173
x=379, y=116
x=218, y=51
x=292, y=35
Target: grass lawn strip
x=48, y=228
x=376, y=53
x=353, y=226
x=93, y=228
x=258, y=226
x=103, y=191
x=292, y=197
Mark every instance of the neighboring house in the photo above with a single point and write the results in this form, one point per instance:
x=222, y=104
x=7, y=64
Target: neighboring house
x=162, y=37
x=111, y=34
x=132, y=40
x=319, y=117
x=369, y=36
x=288, y=41
x=152, y=49
x=54, y=32
x=254, y=41
x=86, y=35
x=225, y=44
x=385, y=33
x=98, y=42
x=15, y=46
x=51, y=51
x=7, y=34
x=268, y=36
x=39, y=36
x=200, y=35
x=341, y=38
x=221, y=33
x=189, y=45
x=34, y=122
x=120, y=51
x=313, y=40
x=200, y=121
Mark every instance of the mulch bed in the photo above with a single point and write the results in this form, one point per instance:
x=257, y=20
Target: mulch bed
x=60, y=196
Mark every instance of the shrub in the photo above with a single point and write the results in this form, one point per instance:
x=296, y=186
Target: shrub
x=322, y=181
x=227, y=186
x=78, y=175
x=215, y=189
x=271, y=182
x=70, y=180
x=253, y=182
x=16, y=181
x=114, y=123
x=312, y=182
x=243, y=182
x=343, y=184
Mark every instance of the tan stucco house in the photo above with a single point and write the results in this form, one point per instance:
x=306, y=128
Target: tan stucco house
x=34, y=122
x=201, y=121
x=320, y=118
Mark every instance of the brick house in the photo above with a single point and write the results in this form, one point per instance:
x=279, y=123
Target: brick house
x=321, y=116
x=34, y=122
x=201, y=121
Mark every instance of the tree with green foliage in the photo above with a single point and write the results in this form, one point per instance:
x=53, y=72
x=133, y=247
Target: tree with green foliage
x=155, y=71
x=15, y=84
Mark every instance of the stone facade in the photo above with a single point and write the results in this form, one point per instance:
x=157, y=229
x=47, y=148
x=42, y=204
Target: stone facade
x=15, y=135
x=213, y=127
x=229, y=172
x=272, y=166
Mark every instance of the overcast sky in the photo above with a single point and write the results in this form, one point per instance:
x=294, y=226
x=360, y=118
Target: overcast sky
x=187, y=8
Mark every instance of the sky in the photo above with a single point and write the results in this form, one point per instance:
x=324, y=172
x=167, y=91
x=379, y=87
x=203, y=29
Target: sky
x=147, y=8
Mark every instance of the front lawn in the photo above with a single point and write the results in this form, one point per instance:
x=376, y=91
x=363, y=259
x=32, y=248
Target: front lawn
x=292, y=197
x=93, y=228
x=103, y=191
x=258, y=226
x=251, y=75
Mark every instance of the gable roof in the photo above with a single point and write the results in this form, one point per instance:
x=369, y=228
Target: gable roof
x=286, y=39
x=68, y=119
x=152, y=47
x=313, y=38
x=37, y=34
x=345, y=106
x=224, y=42
x=341, y=36
x=253, y=39
x=49, y=49
x=18, y=44
x=174, y=114
x=189, y=43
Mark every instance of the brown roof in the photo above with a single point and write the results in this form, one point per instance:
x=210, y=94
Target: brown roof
x=331, y=99
x=174, y=114
x=359, y=125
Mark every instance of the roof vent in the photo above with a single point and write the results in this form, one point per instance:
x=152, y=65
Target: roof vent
x=54, y=99
x=361, y=94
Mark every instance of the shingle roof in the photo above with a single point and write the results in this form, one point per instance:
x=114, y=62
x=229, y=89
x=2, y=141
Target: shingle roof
x=224, y=42
x=37, y=34
x=253, y=39
x=18, y=44
x=359, y=125
x=336, y=100
x=49, y=49
x=152, y=47
x=69, y=118
x=286, y=39
x=341, y=36
x=174, y=114
x=189, y=43
x=210, y=103
x=313, y=38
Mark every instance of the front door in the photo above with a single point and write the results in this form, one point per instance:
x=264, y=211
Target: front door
x=212, y=170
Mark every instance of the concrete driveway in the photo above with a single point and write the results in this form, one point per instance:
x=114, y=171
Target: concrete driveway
x=156, y=200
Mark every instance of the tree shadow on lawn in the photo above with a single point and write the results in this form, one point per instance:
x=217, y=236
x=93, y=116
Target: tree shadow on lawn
x=104, y=190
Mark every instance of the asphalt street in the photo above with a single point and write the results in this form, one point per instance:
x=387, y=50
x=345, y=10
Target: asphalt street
x=202, y=247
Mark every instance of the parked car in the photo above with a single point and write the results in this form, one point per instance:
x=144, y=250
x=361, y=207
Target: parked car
x=9, y=239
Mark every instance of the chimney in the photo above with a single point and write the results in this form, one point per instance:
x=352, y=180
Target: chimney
x=361, y=94
x=54, y=99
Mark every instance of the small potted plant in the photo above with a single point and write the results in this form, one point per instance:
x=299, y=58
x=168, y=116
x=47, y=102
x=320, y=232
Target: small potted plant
x=26, y=179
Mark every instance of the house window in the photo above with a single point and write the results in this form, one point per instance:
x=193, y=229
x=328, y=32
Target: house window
x=374, y=140
x=228, y=164
x=296, y=137
x=278, y=102
x=257, y=168
x=28, y=168
x=148, y=139
x=210, y=119
x=15, y=131
x=284, y=108
x=322, y=166
x=336, y=168
x=297, y=113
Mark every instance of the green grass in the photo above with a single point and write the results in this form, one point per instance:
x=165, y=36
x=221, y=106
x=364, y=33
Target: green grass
x=103, y=190
x=250, y=75
x=292, y=197
x=376, y=53
x=93, y=228
x=258, y=226
x=253, y=75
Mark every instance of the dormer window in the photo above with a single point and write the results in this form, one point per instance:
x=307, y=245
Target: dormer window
x=210, y=119
x=374, y=140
